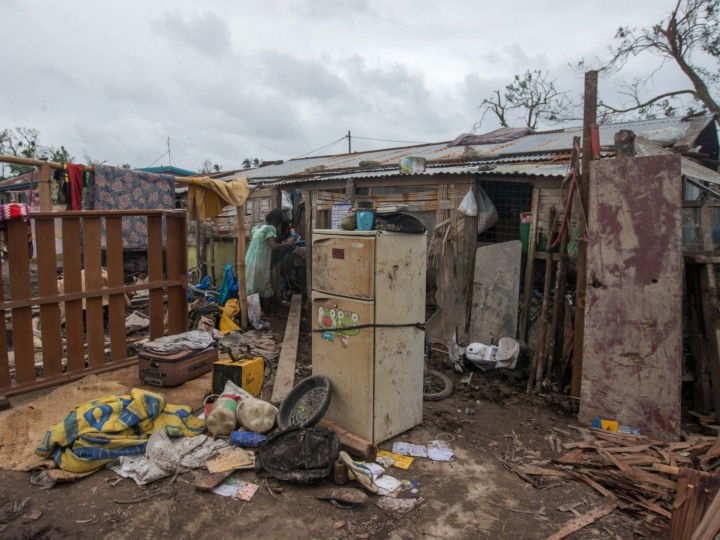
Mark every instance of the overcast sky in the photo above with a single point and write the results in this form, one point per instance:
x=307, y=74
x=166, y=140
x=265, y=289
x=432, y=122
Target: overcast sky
x=229, y=79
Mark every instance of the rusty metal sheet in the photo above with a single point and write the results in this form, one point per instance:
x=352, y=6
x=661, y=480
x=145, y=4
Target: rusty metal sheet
x=633, y=322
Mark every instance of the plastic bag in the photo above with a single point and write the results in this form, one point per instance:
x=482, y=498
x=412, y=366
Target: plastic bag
x=254, y=312
x=230, y=310
x=468, y=206
x=287, y=206
x=487, y=214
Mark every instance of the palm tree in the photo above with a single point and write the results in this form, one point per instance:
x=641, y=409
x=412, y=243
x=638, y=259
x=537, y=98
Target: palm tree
x=247, y=163
x=257, y=162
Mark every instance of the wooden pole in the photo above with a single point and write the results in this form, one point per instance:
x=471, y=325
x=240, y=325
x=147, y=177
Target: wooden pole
x=242, y=286
x=536, y=368
x=44, y=188
x=58, y=166
x=529, y=267
x=558, y=299
x=589, y=118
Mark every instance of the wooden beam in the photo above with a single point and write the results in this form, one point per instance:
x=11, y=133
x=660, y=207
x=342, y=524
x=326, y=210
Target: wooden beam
x=589, y=118
x=710, y=306
x=608, y=504
x=352, y=444
x=529, y=267
x=45, y=174
x=285, y=375
x=242, y=286
x=692, y=133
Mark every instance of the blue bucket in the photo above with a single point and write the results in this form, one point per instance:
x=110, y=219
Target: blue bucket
x=365, y=220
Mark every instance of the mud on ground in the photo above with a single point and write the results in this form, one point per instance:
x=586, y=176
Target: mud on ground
x=471, y=497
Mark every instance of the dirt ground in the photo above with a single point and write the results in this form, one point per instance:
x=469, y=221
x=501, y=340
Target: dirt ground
x=472, y=497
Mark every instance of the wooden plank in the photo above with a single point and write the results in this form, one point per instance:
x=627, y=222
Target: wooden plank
x=529, y=268
x=608, y=504
x=241, y=250
x=709, y=298
x=89, y=294
x=69, y=376
x=691, y=135
x=155, y=273
x=72, y=283
x=44, y=175
x=116, y=278
x=698, y=344
x=285, y=374
x=469, y=262
x=177, y=270
x=310, y=220
x=47, y=286
x=19, y=270
x=633, y=311
x=94, y=318
x=352, y=444
x=5, y=379
x=710, y=524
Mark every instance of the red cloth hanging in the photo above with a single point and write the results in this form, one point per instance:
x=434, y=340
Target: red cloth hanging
x=75, y=178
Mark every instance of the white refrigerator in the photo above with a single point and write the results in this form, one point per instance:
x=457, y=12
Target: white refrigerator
x=371, y=278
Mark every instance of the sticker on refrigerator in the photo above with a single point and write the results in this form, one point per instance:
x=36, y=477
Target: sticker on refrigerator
x=338, y=253
x=338, y=324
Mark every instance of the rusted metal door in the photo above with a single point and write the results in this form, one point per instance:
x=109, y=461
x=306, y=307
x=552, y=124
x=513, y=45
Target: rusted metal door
x=633, y=321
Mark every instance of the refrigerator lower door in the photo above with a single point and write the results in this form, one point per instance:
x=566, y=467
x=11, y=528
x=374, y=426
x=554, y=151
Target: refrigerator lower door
x=345, y=357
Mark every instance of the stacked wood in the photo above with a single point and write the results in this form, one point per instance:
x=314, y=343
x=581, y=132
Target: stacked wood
x=652, y=479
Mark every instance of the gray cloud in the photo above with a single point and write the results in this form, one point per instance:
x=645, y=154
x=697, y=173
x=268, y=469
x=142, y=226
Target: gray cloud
x=276, y=80
x=207, y=33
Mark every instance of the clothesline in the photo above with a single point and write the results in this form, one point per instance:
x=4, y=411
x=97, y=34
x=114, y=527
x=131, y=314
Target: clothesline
x=55, y=165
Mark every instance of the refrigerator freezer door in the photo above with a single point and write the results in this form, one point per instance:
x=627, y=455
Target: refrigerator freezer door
x=344, y=265
x=345, y=357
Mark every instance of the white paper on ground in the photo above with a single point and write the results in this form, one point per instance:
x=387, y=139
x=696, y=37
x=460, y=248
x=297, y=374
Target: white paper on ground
x=407, y=449
x=230, y=487
x=387, y=485
x=440, y=451
x=376, y=470
x=163, y=454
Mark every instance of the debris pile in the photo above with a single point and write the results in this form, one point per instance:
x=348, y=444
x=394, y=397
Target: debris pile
x=655, y=480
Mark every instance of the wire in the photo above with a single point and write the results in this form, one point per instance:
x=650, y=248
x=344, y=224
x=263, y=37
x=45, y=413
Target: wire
x=321, y=148
x=158, y=159
x=389, y=140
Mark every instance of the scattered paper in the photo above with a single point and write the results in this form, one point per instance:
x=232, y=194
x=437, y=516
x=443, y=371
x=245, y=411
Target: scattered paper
x=434, y=450
x=407, y=449
x=247, y=491
x=388, y=459
x=409, y=490
x=440, y=451
x=387, y=485
x=401, y=506
x=230, y=487
x=232, y=458
x=376, y=470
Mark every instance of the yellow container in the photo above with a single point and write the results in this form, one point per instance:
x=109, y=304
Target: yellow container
x=247, y=374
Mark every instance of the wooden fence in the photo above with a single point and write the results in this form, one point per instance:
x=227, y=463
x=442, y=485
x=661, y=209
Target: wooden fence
x=66, y=360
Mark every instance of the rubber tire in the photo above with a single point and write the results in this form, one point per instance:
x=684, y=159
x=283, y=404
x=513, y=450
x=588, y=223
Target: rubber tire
x=446, y=391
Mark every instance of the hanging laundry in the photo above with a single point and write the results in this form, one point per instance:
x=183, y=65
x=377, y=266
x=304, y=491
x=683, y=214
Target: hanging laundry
x=208, y=197
x=16, y=211
x=75, y=180
x=112, y=188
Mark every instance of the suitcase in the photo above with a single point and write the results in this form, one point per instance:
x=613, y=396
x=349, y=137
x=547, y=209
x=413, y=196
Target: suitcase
x=175, y=369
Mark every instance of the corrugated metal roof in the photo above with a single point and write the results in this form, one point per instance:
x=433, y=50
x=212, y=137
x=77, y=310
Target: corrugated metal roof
x=542, y=146
x=18, y=183
x=688, y=166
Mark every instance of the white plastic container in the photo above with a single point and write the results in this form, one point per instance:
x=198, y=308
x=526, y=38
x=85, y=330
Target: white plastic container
x=477, y=353
x=256, y=415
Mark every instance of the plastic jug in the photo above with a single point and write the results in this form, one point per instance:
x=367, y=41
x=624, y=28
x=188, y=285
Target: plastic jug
x=365, y=219
x=222, y=417
x=256, y=415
